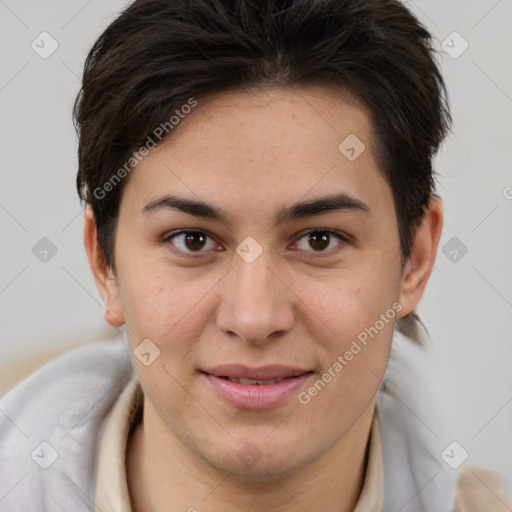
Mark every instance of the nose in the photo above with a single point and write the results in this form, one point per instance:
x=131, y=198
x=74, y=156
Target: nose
x=256, y=305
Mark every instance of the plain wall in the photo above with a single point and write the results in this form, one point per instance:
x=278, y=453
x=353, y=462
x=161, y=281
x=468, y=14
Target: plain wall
x=468, y=302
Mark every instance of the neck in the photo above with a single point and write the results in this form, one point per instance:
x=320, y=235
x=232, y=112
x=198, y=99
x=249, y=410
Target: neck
x=331, y=483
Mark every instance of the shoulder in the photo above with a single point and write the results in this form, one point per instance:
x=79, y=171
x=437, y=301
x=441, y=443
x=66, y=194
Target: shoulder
x=51, y=424
x=50, y=394
x=480, y=489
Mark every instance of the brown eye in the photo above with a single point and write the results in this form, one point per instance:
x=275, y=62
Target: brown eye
x=191, y=241
x=320, y=240
x=195, y=241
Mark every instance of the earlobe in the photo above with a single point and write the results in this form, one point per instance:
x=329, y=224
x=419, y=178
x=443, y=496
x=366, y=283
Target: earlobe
x=104, y=276
x=423, y=254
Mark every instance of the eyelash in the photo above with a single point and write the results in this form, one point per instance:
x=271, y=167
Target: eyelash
x=193, y=254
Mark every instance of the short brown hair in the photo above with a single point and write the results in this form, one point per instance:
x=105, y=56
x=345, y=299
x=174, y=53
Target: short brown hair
x=160, y=53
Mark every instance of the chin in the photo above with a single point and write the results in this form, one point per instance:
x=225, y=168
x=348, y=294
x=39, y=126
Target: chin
x=262, y=472
x=261, y=461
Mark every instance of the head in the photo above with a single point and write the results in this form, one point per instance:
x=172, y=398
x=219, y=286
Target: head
x=260, y=191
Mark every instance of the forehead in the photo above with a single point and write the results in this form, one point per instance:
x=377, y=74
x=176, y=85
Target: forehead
x=274, y=143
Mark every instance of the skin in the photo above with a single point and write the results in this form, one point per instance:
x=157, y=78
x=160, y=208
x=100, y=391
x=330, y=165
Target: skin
x=253, y=153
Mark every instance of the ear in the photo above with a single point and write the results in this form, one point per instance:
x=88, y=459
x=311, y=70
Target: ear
x=104, y=276
x=423, y=255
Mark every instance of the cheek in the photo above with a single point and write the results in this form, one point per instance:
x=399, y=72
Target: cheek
x=170, y=309
x=171, y=312
x=352, y=321
x=347, y=304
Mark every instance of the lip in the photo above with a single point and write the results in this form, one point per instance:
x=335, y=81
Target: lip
x=238, y=371
x=256, y=396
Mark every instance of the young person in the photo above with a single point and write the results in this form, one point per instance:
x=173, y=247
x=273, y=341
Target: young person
x=261, y=223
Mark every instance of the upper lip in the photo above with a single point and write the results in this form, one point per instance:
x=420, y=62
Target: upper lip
x=238, y=371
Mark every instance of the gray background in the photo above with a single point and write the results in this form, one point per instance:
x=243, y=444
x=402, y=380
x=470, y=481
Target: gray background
x=468, y=302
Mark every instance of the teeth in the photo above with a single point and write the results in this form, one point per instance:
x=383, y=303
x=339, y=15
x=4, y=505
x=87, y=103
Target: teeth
x=254, y=381
x=247, y=381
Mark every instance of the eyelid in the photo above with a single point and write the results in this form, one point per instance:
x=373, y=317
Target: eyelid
x=343, y=237
x=167, y=237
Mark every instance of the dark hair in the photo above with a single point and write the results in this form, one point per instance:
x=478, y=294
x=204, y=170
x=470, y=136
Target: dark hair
x=158, y=54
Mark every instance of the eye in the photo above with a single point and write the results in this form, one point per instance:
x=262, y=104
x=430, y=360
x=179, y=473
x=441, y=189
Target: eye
x=190, y=241
x=320, y=240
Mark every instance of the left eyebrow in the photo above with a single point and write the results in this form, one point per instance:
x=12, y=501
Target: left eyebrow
x=317, y=206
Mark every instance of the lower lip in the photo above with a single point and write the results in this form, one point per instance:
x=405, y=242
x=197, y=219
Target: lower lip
x=257, y=396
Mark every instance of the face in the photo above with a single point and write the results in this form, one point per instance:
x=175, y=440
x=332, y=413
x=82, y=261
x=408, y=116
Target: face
x=251, y=245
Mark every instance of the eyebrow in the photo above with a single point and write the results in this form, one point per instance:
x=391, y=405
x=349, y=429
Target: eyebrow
x=318, y=206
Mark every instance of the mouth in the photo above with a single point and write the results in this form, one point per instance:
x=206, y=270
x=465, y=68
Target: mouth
x=254, y=382
x=255, y=388
x=261, y=373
